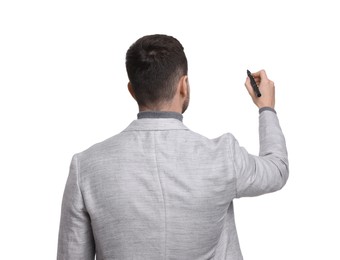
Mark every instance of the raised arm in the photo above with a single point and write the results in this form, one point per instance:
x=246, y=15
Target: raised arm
x=268, y=172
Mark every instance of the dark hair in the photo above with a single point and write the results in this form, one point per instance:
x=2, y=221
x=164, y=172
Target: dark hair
x=154, y=64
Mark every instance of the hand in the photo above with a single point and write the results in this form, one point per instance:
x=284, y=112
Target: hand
x=266, y=88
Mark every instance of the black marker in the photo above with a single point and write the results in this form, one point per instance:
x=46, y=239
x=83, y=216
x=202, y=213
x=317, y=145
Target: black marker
x=253, y=84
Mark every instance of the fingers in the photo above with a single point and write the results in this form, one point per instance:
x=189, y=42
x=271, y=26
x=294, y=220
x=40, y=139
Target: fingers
x=266, y=87
x=260, y=75
x=249, y=87
x=260, y=78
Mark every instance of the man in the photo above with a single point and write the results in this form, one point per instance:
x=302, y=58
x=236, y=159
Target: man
x=158, y=190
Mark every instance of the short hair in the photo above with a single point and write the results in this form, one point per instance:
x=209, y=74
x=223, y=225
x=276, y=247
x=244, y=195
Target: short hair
x=155, y=64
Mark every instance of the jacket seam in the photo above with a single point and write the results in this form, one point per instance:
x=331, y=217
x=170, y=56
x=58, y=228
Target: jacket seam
x=77, y=172
x=163, y=197
x=231, y=155
x=79, y=179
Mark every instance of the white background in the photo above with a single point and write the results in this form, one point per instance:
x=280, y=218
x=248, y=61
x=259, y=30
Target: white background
x=64, y=87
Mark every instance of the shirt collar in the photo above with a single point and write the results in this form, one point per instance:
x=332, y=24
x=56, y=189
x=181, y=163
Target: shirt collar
x=160, y=114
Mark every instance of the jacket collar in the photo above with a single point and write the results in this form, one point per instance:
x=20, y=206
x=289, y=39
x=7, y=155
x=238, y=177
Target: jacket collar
x=160, y=114
x=157, y=120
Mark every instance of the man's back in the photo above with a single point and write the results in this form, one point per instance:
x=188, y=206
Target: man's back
x=160, y=191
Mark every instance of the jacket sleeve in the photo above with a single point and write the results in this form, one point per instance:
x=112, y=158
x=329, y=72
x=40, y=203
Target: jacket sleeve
x=268, y=172
x=75, y=233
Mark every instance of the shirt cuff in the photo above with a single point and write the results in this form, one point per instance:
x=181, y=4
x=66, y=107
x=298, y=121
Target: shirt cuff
x=266, y=108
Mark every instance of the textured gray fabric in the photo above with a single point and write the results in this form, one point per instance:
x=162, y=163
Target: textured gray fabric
x=158, y=190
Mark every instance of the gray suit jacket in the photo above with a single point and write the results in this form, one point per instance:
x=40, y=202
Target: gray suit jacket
x=158, y=190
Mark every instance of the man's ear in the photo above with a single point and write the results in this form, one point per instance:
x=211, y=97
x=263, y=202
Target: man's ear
x=132, y=92
x=184, y=86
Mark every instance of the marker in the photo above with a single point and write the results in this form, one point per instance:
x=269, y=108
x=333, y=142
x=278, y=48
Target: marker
x=253, y=84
